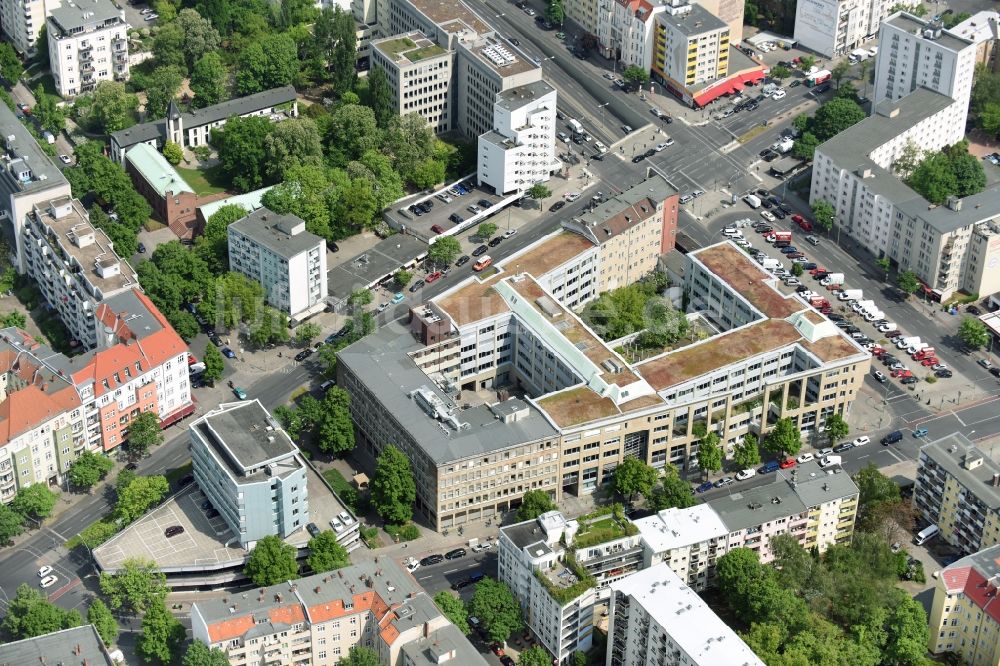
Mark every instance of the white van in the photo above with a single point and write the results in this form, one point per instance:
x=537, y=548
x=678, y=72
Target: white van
x=926, y=534
x=830, y=461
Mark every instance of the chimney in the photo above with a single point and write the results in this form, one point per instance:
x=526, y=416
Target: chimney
x=996, y=478
x=427, y=629
x=954, y=203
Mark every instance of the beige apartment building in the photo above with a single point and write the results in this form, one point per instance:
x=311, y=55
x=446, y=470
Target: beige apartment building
x=315, y=621
x=497, y=387
x=964, y=617
x=419, y=73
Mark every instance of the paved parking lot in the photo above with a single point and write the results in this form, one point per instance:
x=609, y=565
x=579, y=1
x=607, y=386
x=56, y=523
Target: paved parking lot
x=405, y=213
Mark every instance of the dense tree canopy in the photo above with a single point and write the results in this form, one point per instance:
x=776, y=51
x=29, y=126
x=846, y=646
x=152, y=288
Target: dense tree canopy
x=272, y=561
x=31, y=614
x=953, y=171
x=495, y=606
x=534, y=503
x=393, y=490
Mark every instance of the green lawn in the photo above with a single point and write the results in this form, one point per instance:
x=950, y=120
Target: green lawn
x=204, y=181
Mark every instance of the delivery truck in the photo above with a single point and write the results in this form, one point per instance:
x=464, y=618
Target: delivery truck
x=833, y=278
x=783, y=146
x=769, y=264
x=861, y=306
x=858, y=55
x=575, y=125
x=887, y=328
x=782, y=236
x=816, y=78
x=752, y=200
x=905, y=341
x=850, y=295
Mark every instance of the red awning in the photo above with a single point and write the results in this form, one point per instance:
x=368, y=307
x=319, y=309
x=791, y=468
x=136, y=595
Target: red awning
x=177, y=415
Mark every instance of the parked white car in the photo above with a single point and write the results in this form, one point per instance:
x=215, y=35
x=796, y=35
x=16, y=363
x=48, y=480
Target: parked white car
x=745, y=474
x=804, y=458
x=766, y=214
x=861, y=441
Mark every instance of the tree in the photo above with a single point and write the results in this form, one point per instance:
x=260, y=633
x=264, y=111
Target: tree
x=839, y=71
x=173, y=153
x=579, y=659
x=951, y=20
x=453, y=609
x=746, y=454
x=10, y=65
x=272, y=561
x=168, y=46
x=836, y=428
x=497, y=609
x=161, y=88
x=934, y=179
x=907, y=282
x=875, y=489
x=635, y=75
x=393, y=490
x=11, y=524
x=834, y=117
x=144, y=433
x=162, y=635
x=30, y=614
x=444, y=250
x=361, y=656
x=325, y=554
x=360, y=297
x=215, y=365
x=307, y=332
x=208, y=81
x=534, y=503
x=402, y=278
x=805, y=146
x=806, y=62
x=336, y=430
x=486, y=230
x=380, y=97
x=47, y=111
x=909, y=159
x=539, y=192
x=88, y=469
x=139, y=495
x=212, y=246
x=271, y=62
x=673, y=491
x=634, y=476
x=709, y=453
x=784, y=438
x=555, y=12
x=973, y=333
x=241, y=150
x=138, y=586
x=36, y=501
x=102, y=619
x=797, y=270
x=847, y=90
x=534, y=656
x=339, y=42
x=199, y=654
x=906, y=629
x=824, y=214
x=290, y=144
x=199, y=37
x=779, y=72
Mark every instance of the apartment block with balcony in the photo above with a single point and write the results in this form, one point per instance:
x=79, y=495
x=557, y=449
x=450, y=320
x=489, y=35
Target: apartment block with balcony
x=520, y=149
x=420, y=77
x=558, y=569
x=288, y=261
x=88, y=43
x=690, y=541
x=251, y=471
x=964, y=618
x=958, y=489
x=691, y=45
x=656, y=618
x=23, y=20
x=74, y=264
x=315, y=621
x=834, y=27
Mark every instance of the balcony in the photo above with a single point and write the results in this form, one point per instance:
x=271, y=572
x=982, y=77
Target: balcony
x=86, y=55
x=87, y=67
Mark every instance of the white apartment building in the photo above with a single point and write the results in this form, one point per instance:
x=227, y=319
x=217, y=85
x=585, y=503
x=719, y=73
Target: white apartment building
x=288, y=261
x=691, y=45
x=520, y=149
x=74, y=264
x=655, y=618
x=315, y=621
x=914, y=53
x=22, y=21
x=420, y=76
x=625, y=31
x=88, y=43
x=832, y=27
x=689, y=540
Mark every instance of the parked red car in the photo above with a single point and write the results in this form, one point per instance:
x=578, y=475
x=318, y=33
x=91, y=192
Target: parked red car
x=928, y=362
x=786, y=463
x=820, y=269
x=802, y=222
x=436, y=275
x=191, y=359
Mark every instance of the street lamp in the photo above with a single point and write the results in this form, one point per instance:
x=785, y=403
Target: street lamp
x=601, y=107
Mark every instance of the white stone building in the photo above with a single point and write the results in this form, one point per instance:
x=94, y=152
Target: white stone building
x=88, y=43
x=420, y=77
x=22, y=21
x=520, y=150
x=288, y=261
x=692, y=45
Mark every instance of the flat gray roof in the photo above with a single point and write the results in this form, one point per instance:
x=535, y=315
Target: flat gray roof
x=912, y=24
x=976, y=208
x=525, y=534
x=698, y=21
x=44, y=173
x=80, y=645
x=381, y=363
x=374, y=264
x=79, y=14
x=247, y=433
x=816, y=486
x=282, y=234
x=515, y=98
x=950, y=453
x=430, y=650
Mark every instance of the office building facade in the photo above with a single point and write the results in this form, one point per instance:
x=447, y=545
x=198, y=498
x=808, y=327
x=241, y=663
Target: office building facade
x=88, y=43
x=691, y=46
x=420, y=77
x=251, y=471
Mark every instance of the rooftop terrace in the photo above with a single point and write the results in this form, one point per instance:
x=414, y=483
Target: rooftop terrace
x=748, y=279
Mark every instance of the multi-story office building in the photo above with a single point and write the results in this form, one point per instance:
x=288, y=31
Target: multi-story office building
x=563, y=407
x=315, y=621
x=28, y=178
x=88, y=43
x=958, y=489
x=691, y=46
x=656, y=618
x=288, y=261
x=558, y=569
x=53, y=407
x=420, y=76
x=914, y=53
x=250, y=470
x=631, y=230
x=964, y=617
x=520, y=149
x=835, y=27
x=79, y=645
x=23, y=22
x=74, y=264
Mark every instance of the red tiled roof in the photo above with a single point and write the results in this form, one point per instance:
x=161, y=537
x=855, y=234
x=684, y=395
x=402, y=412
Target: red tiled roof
x=238, y=626
x=955, y=579
x=982, y=593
